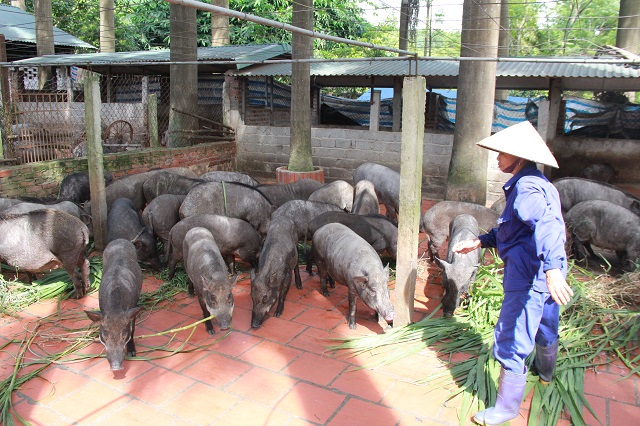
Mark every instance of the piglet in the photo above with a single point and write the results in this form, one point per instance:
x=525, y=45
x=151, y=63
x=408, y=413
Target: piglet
x=459, y=269
x=347, y=258
x=118, y=298
x=278, y=259
x=208, y=277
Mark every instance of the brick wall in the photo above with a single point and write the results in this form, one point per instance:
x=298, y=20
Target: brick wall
x=42, y=179
x=339, y=151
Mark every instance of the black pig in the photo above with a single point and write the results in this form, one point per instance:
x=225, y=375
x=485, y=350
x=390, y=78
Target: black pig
x=347, y=258
x=459, y=269
x=118, y=298
x=208, y=277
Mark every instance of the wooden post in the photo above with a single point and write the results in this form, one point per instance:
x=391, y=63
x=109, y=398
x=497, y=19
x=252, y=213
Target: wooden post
x=413, y=96
x=152, y=116
x=4, y=95
x=92, y=106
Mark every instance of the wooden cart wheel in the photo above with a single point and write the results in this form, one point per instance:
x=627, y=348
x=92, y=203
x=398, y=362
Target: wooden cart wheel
x=119, y=132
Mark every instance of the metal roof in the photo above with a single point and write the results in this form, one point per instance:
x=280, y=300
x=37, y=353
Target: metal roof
x=516, y=73
x=210, y=59
x=18, y=25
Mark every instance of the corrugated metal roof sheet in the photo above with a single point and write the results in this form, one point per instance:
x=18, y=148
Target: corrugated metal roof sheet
x=535, y=68
x=220, y=53
x=18, y=25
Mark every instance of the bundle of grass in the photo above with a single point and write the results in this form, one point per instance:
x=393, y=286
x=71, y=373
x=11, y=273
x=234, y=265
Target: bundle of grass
x=593, y=329
x=16, y=295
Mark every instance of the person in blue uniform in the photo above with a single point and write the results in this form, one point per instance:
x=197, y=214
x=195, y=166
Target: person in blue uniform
x=530, y=238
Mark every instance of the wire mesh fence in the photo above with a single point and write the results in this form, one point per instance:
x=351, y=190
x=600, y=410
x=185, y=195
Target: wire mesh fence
x=47, y=121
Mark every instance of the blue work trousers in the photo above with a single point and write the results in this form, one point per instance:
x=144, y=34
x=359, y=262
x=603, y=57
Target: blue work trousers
x=526, y=317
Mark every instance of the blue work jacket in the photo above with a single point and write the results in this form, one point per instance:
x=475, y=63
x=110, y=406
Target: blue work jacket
x=530, y=235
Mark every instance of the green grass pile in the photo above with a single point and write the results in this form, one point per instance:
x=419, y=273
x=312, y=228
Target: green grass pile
x=596, y=326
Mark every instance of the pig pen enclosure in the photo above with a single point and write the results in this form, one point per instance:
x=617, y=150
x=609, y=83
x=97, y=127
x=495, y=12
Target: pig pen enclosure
x=307, y=366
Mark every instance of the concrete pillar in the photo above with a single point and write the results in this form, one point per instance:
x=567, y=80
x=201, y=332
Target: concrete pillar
x=374, y=113
x=152, y=120
x=413, y=94
x=231, y=102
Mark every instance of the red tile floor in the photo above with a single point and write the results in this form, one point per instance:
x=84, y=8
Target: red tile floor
x=279, y=374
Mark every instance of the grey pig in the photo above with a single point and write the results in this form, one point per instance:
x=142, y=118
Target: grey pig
x=302, y=212
x=459, y=269
x=365, y=200
x=338, y=192
x=232, y=200
x=278, y=258
x=208, y=277
x=435, y=222
x=118, y=298
x=123, y=221
x=219, y=176
x=350, y=260
x=161, y=214
x=167, y=183
x=378, y=230
x=298, y=190
x=386, y=182
x=38, y=240
x=608, y=226
x=575, y=190
x=234, y=237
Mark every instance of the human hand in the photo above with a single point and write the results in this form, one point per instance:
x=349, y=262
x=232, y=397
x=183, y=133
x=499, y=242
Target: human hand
x=466, y=246
x=558, y=288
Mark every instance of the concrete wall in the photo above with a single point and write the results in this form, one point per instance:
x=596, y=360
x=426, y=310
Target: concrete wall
x=261, y=149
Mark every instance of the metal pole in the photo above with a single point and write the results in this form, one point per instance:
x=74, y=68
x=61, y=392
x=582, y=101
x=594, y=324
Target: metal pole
x=268, y=22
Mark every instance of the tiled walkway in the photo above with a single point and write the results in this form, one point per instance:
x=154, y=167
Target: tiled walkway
x=279, y=374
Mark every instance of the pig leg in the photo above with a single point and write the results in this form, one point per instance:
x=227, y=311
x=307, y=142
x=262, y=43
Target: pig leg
x=205, y=313
x=192, y=292
x=309, y=265
x=283, y=294
x=172, y=267
x=84, y=271
x=230, y=260
x=296, y=273
x=131, y=346
x=322, y=273
x=352, y=309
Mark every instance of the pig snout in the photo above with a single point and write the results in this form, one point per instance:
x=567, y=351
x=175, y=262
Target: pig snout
x=115, y=358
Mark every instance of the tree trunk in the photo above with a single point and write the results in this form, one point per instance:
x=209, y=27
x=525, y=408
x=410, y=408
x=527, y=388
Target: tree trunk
x=628, y=35
x=44, y=40
x=300, y=156
x=504, y=40
x=107, y=26
x=467, y=179
x=183, y=85
x=220, y=25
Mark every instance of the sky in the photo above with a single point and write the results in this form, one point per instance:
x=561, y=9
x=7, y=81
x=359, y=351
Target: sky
x=450, y=12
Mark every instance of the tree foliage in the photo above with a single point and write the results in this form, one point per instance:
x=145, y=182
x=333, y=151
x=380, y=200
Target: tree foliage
x=562, y=27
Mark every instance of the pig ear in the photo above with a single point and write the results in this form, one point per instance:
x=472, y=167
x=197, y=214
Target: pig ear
x=443, y=263
x=135, y=240
x=133, y=312
x=95, y=316
x=361, y=280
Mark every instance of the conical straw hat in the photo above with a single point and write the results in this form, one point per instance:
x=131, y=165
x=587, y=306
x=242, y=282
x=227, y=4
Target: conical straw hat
x=521, y=140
